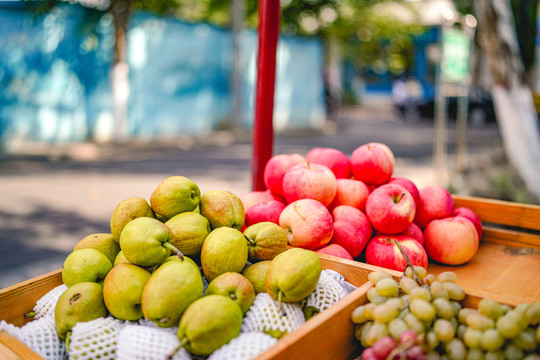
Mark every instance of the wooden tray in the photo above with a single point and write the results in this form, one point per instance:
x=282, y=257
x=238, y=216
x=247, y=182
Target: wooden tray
x=506, y=268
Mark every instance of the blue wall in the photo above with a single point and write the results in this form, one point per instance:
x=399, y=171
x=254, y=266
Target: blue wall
x=55, y=77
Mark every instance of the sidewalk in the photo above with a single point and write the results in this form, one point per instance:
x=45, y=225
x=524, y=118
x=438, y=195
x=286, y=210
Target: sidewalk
x=54, y=196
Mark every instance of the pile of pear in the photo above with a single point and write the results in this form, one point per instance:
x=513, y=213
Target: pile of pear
x=159, y=255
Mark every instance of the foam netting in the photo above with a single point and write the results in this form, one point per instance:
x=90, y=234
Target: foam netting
x=327, y=293
x=95, y=339
x=265, y=315
x=46, y=304
x=340, y=280
x=246, y=346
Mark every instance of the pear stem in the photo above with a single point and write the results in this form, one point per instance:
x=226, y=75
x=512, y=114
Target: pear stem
x=281, y=309
x=174, y=250
x=252, y=242
x=30, y=315
x=408, y=262
x=68, y=340
x=183, y=342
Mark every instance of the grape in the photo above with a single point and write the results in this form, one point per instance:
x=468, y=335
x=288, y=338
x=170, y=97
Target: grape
x=432, y=341
x=494, y=355
x=512, y=352
x=437, y=290
x=537, y=334
x=430, y=278
x=375, y=332
x=372, y=293
x=358, y=315
x=491, y=340
x=415, y=353
x=368, y=310
x=464, y=314
x=444, y=330
x=368, y=354
x=447, y=276
x=472, y=338
x=385, y=313
x=479, y=321
x=377, y=300
x=407, y=284
x=414, y=324
x=508, y=325
x=396, y=327
x=531, y=357
x=454, y=291
x=525, y=340
x=460, y=332
x=358, y=331
x=420, y=293
x=375, y=276
x=387, y=287
x=383, y=347
x=490, y=308
x=421, y=272
x=364, y=329
x=396, y=302
x=456, y=305
x=443, y=308
x=422, y=309
x=455, y=349
x=533, y=313
x=475, y=354
x=408, y=337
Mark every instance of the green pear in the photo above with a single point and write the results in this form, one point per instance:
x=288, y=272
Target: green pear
x=172, y=287
x=293, y=275
x=224, y=250
x=127, y=210
x=120, y=259
x=80, y=303
x=175, y=195
x=223, y=209
x=256, y=274
x=85, y=265
x=122, y=291
x=209, y=323
x=235, y=286
x=189, y=230
x=265, y=241
x=146, y=242
x=102, y=242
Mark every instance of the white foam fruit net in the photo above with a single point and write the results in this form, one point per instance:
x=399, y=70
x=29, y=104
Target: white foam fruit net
x=139, y=342
x=46, y=304
x=327, y=293
x=95, y=339
x=265, y=315
x=246, y=346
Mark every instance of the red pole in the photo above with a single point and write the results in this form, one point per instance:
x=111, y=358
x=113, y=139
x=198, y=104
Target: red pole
x=263, y=130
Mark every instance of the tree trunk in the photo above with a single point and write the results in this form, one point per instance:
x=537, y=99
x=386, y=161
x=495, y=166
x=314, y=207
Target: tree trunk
x=512, y=96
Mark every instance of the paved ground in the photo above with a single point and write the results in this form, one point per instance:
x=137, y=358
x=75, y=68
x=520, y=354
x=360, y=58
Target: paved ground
x=50, y=198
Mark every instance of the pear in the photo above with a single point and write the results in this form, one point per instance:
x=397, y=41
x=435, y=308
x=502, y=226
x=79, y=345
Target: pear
x=102, y=242
x=80, y=303
x=174, y=195
x=122, y=291
x=209, y=323
x=85, y=265
x=224, y=250
x=120, y=258
x=127, y=210
x=265, y=241
x=223, y=209
x=235, y=286
x=256, y=274
x=146, y=242
x=173, y=286
x=293, y=275
x=189, y=230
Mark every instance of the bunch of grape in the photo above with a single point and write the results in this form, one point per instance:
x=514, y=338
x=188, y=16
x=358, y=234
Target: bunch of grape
x=421, y=317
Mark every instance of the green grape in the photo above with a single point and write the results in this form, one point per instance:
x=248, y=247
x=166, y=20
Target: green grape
x=375, y=332
x=494, y=355
x=479, y=321
x=433, y=355
x=414, y=323
x=456, y=305
x=460, y=332
x=432, y=341
x=508, y=325
x=444, y=330
x=421, y=273
x=447, y=276
x=368, y=310
x=522, y=308
x=375, y=276
x=532, y=315
x=387, y=287
x=385, y=313
x=429, y=279
x=377, y=300
x=358, y=331
x=455, y=350
x=405, y=300
x=358, y=315
x=396, y=302
x=512, y=352
x=537, y=334
x=443, y=308
x=372, y=293
x=491, y=340
x=420, y=293
x=472, y=338
x=407, y=284
x=365, y=328
x=525, y=340
x=507, y=308
x=531, y=357
x=422, y=309
x=475, y=354
x=490, y=308
x=437, y=290
x=396, y=327
x=455, y=292
x=404, y=312
x=464, y=314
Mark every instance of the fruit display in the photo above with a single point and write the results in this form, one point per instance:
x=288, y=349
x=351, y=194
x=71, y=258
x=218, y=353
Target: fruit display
x=419, y=316
x=355, y=207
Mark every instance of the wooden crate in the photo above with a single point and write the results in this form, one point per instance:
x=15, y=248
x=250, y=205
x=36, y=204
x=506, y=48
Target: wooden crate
x=506, y=268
